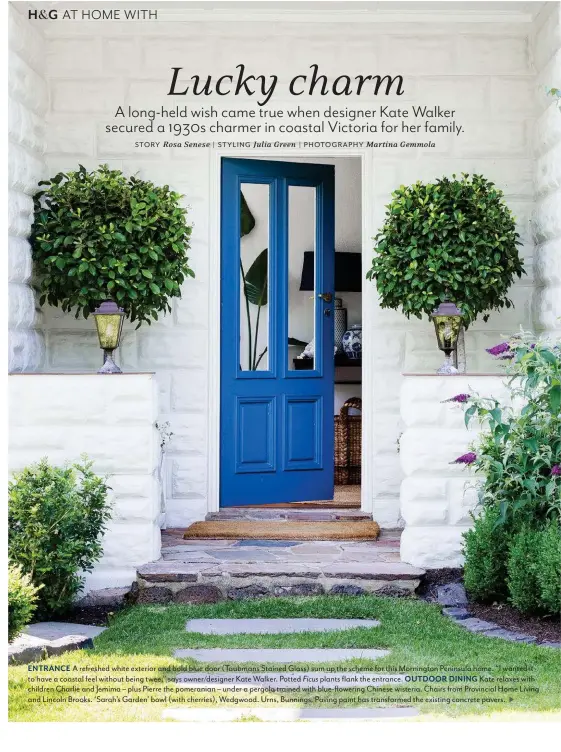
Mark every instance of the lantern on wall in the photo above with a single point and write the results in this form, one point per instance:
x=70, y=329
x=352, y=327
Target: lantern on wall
x=447, y=321
x=109, y=324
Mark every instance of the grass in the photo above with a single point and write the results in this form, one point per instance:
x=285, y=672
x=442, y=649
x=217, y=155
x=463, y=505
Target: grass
x=417, y=634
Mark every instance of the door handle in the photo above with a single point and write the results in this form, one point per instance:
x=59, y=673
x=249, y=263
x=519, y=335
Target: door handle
x=326, y=296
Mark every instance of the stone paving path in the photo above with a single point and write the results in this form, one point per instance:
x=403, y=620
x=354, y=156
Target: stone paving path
x=275, y=626
x=270, y=681
x=278, y=655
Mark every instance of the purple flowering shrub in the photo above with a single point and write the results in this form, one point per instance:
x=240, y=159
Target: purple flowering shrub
x=459, y=398
x=518, y=458
x=518, y=453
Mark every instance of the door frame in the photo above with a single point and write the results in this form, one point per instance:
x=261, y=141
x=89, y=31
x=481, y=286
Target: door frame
x=214, y=340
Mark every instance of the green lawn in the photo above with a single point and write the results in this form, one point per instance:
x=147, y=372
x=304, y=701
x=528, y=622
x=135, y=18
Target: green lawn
x=415, y=632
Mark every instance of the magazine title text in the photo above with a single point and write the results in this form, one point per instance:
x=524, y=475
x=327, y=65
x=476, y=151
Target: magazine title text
x=264, y=86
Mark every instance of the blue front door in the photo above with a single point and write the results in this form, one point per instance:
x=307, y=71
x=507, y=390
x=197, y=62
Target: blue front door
x=277, y=259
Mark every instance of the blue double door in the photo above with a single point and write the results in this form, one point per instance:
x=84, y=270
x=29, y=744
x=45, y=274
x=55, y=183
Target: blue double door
x=277, y=268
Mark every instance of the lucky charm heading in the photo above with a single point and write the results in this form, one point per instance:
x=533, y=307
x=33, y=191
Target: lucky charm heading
x=264, y=86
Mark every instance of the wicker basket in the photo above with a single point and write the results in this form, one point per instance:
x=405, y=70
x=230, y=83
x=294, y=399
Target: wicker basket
x=348, y=444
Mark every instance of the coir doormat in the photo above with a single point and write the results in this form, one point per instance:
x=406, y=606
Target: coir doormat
x=284, y=530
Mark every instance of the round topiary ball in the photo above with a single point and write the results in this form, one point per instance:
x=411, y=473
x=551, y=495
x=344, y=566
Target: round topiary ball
x=450, y=240
x=103, y=236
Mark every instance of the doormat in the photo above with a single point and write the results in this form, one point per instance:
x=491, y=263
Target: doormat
x=284, y=530
x=345, y=497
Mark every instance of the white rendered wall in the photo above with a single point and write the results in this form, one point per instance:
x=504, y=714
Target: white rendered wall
x=111, y=419
x=27, y=104
x=546, y=50
x=437, y=496
x=484, y=70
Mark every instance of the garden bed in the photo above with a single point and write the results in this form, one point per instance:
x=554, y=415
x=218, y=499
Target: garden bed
x=544, y=628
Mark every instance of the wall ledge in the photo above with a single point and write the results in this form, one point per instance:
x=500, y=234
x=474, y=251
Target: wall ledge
x=83, y=373
x=456, y=375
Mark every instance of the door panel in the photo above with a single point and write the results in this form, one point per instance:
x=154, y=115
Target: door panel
x=255, y=440
x=276, y=422
x=303, y=449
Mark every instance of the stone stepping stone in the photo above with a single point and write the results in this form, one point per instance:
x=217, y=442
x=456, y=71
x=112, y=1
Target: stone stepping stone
x=278, y=655
x=287, y=714
x=275, y=626
x=56, y=630
x=288, y=680
x=50, y=638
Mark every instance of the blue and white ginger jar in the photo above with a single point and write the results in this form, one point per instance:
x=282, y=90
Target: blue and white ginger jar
x=352, y=342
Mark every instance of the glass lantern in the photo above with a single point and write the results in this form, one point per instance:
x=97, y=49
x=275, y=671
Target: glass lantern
x=109, y=323
x=447, y=321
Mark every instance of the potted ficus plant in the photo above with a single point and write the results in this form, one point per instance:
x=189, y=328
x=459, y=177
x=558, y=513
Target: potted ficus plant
x=109, y=245
x=451, y=241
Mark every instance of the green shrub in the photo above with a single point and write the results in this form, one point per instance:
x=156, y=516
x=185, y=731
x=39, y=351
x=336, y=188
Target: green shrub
x=485, y=550
x=518, y=458
x=548, y=568
x=518, y=452
x=448, y=240
x=22, y=600
x=56, y=517
x=523, y=588
x=102, y=236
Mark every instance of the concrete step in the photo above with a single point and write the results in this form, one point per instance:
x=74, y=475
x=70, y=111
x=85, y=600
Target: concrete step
x=311, y=515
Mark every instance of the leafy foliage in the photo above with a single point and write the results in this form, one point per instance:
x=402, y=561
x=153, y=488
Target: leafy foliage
x=555, y=92
x=448, y=240
x=22, y=599
x=247, y=220
x=514, y=548
x=534, y=569
x=518, y=453
x=485, y=552
x=522, y=583
x=256, y=280
x=548, y=567
x=56, y=519
x=100, y=235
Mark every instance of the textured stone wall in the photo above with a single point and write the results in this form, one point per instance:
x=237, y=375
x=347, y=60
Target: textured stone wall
x=111, y=418
x=546, y=50
x=27, y=104
x=436, y=496
x=483, y=70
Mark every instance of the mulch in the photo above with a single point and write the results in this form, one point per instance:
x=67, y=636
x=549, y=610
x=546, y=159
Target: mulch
x=545, y=628
x=97, y=616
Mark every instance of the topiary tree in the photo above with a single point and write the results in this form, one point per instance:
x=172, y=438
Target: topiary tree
x=102, y=236
x=448, y=240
